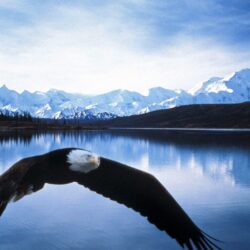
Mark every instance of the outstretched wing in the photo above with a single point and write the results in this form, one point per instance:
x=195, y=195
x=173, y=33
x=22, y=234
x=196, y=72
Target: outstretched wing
x=14, y=183
x=145, y=194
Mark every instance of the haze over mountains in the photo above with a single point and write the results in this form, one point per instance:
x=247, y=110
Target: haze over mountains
x=59, y=104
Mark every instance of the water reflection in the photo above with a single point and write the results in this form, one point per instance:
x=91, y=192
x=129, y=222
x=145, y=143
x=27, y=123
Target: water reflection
x=207, y=173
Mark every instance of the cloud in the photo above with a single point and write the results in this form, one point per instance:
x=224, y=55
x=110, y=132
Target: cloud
x=97, y=48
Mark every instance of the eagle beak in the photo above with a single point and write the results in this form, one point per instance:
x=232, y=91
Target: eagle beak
x=95, y=160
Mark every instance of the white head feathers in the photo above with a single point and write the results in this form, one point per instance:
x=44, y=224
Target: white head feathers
x=82, y=160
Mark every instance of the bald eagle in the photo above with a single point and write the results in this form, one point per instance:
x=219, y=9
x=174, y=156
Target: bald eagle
x=134, y=188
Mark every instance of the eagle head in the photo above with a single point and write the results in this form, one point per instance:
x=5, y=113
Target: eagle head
x=82, y=160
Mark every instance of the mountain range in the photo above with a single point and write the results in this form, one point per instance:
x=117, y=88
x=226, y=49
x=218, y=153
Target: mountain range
x=59, y=104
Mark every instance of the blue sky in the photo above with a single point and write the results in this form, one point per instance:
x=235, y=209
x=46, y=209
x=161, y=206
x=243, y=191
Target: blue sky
x=96, y=46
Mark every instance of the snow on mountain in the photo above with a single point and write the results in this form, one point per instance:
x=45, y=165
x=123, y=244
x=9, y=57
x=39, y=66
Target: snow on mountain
x=206, y=87
x=240, y=84
x=59, y=104
x=233, y=89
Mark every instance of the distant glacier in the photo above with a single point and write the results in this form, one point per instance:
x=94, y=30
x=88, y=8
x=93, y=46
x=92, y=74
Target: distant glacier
x=59, y=104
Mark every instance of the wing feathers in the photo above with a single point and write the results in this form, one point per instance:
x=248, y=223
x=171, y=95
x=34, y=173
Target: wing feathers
x=145, y=194
x=11, y=182
x=3, y=205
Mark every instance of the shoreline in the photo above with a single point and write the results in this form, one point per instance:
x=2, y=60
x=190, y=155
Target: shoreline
x=216, y=130
x=45, y=129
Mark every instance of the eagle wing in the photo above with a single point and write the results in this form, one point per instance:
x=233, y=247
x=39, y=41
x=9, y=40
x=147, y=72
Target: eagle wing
x=145, y=194
x=13, y=184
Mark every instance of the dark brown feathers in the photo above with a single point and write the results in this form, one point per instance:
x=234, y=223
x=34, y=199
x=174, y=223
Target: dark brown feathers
x=145, y=194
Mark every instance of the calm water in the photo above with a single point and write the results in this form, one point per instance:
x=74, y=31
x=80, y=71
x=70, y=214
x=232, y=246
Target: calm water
x=209, y=175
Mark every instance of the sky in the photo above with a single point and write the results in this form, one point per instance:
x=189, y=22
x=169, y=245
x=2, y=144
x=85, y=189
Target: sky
x=95, y=46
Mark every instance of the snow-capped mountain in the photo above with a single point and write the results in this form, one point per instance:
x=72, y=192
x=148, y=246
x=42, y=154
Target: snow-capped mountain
x=231, y=89
x=59, y=104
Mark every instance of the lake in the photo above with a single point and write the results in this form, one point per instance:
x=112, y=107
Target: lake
x=207, y=173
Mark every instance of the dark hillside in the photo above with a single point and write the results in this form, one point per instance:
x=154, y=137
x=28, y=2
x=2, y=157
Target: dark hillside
x=191, y=116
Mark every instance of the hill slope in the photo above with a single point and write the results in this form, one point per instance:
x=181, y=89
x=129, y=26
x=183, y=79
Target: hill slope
x=191, y=116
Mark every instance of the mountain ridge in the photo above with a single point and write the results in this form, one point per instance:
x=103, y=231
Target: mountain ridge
x=59, y=104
